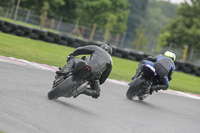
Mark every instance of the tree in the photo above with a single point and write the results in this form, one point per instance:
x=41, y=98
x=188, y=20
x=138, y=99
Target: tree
x=185, y=29
x=7, y=2
x=162, y=40
x=140, y=37
x=39, y=4
x=136, y=17
x=109, y=25
x=69, y=10
x=102, y=12
x=85, y=11
x=158, y=15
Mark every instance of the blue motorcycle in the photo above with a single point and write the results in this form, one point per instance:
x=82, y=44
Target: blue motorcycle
x=141, y=86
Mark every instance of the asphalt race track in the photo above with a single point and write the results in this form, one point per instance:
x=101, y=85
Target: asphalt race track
x=25, y=108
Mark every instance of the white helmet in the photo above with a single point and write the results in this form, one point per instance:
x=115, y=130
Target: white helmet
x=170, y=54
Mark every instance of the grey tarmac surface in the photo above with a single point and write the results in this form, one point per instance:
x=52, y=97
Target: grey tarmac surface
x=25, y=108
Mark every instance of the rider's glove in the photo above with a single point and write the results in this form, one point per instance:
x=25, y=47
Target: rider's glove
x=150, y=58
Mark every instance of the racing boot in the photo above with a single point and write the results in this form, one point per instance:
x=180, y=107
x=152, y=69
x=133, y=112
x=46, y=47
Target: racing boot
x=92, y=93
x=62, y=72
x=66, y=69
x=158, y=87
x=89, y=92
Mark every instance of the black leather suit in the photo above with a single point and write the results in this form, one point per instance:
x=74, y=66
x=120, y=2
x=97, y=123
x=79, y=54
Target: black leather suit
x=101, y=64
x=100, y=61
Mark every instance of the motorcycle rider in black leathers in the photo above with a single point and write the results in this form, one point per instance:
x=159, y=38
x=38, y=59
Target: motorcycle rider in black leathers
x=164, y=66
x=100, y=62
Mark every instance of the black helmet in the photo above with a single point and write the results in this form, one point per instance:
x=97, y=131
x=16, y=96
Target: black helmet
x=107, y=48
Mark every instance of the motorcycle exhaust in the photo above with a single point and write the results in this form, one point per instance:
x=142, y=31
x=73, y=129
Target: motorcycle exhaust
x=79, y=89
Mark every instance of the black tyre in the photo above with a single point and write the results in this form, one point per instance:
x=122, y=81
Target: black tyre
x=54, y=35
x=49, y=39
x=19, y=32
x=117, y=54
x=1, y=23
x=62, y=42
x=186, y=69
x=197, y=73
x=34, y=36
x=62, y=88
x=6, y=29
x=134, y=88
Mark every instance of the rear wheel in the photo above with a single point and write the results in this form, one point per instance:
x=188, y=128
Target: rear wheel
x=62, y=88
x=134, y=89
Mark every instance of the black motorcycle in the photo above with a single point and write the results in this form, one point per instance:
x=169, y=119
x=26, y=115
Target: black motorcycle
x=141, y=86
x=72, y=84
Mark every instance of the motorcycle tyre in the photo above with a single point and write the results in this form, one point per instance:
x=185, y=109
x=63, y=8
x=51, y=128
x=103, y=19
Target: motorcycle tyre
x=134, y=88
x=62, y=88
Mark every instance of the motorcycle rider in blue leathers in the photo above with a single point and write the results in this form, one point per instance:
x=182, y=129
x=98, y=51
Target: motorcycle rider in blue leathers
x=164, y=66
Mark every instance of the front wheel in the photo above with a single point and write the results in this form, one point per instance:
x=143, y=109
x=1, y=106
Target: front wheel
x=134, y=89
x=62, y=88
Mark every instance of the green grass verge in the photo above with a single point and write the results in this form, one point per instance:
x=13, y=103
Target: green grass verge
x=53, y=54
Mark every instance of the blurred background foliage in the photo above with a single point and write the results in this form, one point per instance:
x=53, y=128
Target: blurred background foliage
x=151, y=26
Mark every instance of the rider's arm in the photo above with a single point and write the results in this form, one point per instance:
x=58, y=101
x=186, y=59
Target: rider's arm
x=171, y=71
x=84, y=50
x=170, y=75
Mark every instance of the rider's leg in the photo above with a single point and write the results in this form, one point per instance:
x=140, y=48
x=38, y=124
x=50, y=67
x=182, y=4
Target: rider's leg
x=162, y=76
x=94, y=91
x=163, y=84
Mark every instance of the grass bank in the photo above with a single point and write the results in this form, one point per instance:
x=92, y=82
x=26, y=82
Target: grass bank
x=53, y=54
